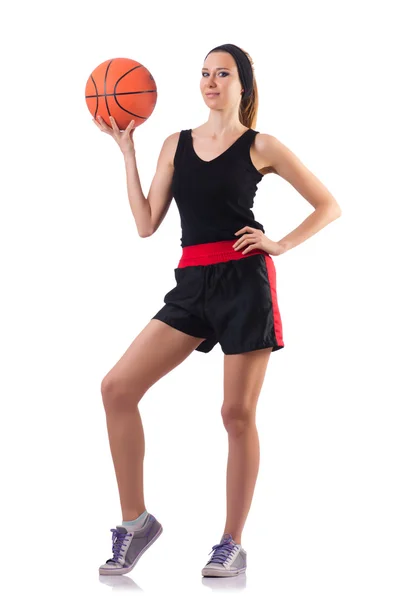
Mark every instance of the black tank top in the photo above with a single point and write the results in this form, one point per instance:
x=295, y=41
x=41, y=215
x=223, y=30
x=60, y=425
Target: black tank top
x=215, y=197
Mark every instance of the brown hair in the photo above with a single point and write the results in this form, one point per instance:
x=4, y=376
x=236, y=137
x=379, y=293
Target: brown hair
x=248, y=111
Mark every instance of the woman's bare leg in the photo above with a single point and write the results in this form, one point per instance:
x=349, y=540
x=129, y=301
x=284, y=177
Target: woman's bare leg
x=243, y=379
x=157, y=350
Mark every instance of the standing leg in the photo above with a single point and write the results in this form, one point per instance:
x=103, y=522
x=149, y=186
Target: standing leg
x=157, y=350
x=243, y=379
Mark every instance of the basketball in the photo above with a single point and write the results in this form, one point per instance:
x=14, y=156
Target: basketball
x=122, y=88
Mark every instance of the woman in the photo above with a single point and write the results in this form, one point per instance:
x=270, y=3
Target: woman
x=225, y=292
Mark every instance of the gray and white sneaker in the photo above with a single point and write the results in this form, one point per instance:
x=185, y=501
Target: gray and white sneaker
x=129, y=545
x=228, y=559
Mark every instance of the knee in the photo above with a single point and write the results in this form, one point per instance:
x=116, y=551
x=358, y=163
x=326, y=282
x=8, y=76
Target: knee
x=237, y=419
x=116, y=394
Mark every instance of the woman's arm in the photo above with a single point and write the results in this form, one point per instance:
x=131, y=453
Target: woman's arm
x=287, y=165
x=149, y=213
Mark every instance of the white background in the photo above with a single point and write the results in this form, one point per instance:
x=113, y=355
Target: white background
x=79, y=284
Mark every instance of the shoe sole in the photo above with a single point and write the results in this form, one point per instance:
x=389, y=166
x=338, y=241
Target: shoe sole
x=124, y=570
x=224, y=573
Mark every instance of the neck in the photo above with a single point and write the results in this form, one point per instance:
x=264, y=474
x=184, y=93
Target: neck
x=223, y=123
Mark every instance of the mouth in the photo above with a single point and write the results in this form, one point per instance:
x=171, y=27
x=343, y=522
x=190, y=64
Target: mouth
x=212, y=94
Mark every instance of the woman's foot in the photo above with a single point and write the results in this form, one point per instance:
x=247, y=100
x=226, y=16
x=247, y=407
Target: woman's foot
x=228, y=559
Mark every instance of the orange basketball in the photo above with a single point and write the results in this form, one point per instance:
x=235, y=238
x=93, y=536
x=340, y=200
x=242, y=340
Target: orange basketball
x=121, y=88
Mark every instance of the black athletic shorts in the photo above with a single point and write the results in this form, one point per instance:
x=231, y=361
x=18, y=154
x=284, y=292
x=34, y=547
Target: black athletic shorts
x=225, y=296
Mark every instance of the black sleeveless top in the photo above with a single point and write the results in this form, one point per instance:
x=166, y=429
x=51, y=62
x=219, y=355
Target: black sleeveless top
x=215, y=197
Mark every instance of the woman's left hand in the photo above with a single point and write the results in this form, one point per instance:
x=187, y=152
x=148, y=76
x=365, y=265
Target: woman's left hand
x=255, y=238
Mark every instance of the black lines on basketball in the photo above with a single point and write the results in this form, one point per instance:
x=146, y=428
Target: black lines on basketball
x=96, y=96
x=104, y=86
x=122, y=94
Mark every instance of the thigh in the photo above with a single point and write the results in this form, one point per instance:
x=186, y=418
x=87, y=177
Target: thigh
x=242, y=303
x=242, y=383
x=184, y=306
x=157, y=350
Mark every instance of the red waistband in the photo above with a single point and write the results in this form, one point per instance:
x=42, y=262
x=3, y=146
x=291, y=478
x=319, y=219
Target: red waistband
x=214, y=252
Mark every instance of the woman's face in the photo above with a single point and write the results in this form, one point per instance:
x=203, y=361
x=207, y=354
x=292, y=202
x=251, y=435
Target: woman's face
x=220, y=75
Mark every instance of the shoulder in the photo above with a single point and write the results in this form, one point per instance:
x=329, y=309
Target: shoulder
x=263, y=152
x=273, y=152
x=287, y=165
x=263, y=142
x=172, y=139
x=170, y=145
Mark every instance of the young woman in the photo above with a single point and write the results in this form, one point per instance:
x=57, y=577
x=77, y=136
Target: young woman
x=225, y=292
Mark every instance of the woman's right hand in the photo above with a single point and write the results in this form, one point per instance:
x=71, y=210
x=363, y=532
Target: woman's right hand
x=123, y=138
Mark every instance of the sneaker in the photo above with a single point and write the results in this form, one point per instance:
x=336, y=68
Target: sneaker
x=129, y=545
x=228, y=559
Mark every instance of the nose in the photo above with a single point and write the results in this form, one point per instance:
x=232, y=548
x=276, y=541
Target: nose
x=210, y=79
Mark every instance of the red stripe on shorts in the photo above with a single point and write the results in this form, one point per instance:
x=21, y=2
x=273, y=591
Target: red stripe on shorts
x=271, y=271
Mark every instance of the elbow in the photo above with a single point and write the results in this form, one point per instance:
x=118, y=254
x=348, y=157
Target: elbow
x=148, y=231
x=337, y=211
x=336, y=208
x=144, y=234
x=334, y=211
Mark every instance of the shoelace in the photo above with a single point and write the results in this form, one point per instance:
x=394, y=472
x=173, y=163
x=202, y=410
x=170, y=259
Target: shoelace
x=221, y=551
x=118, y=539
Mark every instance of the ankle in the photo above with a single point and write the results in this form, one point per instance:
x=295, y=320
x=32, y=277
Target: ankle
x=236, y=539
x=131, y=515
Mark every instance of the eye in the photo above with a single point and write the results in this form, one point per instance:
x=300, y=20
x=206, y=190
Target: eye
x=225, y=72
